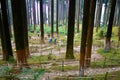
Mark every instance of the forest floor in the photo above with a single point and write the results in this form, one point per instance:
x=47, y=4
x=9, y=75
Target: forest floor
x=88, y=71
x=46, y=49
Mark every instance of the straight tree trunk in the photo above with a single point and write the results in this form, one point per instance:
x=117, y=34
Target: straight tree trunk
x=107, y=14
x=52, y=18
x=84, y=35
x=34, y=15
x=41, y=21
x=6, y=41
x=70, y=34
x=78, y=13
x=57, y=8
x=90, y=33
x=19, y=16
x=105, y=10
x=28, y=15
x=49, y=12
x=109, y=29
x=25, y=24
x=98, y=15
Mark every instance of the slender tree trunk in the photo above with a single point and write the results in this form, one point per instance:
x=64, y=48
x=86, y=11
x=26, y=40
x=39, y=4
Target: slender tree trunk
x=78, y=15
x=107, y=12
x=49, y=12
x=90, y=33
x=34, y=15
x=84, y=35
x=6, y=41
x=70, y=34
x=19, y=24
x=57, y=8
x=109, y=30
x=28, y=18
x=52, y=18
x=98, y=14
x=26, y=24
x=41, y=21
x=9, y=10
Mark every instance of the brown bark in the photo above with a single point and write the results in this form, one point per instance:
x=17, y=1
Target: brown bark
x=5, y=32
x=41, y=21
x=21, y=58
x=27, y=51
x=52, y=18
x=70, y=34
x=20, y=31
x=84, y=35
x=108, y=44
x=90, y=33
x=57, y=8
x=109, y=30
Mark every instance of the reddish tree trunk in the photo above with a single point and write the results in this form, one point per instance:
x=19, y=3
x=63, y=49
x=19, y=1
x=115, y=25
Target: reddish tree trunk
x=90, y=33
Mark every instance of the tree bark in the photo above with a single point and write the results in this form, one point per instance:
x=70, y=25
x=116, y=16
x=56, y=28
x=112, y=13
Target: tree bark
x=90, y=33
x=34, y=15
x=84, y=35
x=57, y=22
x=107, y=14
x=70, y=34
x=98, y=14
x=52, y=18
x=5, y=31
x=78, y=15
x=19, y=16
x=41, y=21
x=109, y=29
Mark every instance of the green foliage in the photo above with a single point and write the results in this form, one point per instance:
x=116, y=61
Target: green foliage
x=66, y=68
x=41, y=58
x=111, y=58
x=30, y=74
x=4, y=71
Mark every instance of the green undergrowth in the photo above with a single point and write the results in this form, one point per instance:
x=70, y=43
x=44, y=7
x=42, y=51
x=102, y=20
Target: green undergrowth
x=42, y=58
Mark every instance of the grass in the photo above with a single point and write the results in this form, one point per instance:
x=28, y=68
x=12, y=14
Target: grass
x=65, y=68
x=42, y=58
x=111, y=58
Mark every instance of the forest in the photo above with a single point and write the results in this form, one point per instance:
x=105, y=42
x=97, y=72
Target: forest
x=59, y=39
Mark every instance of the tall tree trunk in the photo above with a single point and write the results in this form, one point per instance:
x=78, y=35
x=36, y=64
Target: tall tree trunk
x=34, y=15
x=115, y=21
x=49, y=12
x=6, y=41
x=25, y=23
x=41, y=21
x=90, y=33
x=98, y=14
x=84, y=35
x=9, y=10
x=105, y=10
x=52, y=18
x=78, y=15
x=57, y=22
x=107, y=14
x=28, y=14
x=109, y=30
x=19, y=16
x=70, y=34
